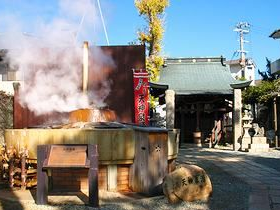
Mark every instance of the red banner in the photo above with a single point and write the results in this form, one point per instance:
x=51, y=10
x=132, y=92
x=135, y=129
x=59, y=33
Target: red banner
x=141, y=96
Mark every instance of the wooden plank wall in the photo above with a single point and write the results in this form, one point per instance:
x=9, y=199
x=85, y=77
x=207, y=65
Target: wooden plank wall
x=114, y=145
x=150, y=164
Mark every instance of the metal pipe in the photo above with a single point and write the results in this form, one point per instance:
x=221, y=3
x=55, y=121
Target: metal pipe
x=275, y=121
x=85, y=67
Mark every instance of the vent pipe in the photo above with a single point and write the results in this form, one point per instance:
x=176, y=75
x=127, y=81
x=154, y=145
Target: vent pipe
x=85, y=67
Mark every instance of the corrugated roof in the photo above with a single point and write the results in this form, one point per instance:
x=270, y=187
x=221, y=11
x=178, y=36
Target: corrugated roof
x=187, y=78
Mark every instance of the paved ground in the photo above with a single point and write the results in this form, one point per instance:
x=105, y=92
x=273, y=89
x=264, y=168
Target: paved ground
x=259, y=171
x=241, y=181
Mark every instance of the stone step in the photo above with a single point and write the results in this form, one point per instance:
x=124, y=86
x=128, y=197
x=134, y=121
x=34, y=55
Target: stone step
x=259, y=140
x=258, y=146
x=259, y=150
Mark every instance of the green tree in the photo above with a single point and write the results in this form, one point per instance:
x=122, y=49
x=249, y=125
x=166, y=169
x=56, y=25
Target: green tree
x=262, y=93
x=267, y=75
x=266, y=90
x=151, y=36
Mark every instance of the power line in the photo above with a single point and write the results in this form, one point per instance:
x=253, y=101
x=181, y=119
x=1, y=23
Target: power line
x=103, y=23
x=79, y=28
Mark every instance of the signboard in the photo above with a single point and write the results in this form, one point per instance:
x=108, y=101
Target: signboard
x=141, y=96
x=67, y=155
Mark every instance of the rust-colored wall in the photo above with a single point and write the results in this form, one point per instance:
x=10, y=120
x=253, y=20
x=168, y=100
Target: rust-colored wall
x=121, y=96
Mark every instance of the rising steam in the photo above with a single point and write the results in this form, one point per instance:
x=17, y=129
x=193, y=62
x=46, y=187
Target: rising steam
x=49, y=59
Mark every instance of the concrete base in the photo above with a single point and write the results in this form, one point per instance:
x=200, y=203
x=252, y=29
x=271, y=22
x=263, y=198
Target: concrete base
x=255, y=144
x=259, y=144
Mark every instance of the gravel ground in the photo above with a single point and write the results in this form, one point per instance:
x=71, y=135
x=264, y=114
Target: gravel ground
x=158, y=202
x=229, y=193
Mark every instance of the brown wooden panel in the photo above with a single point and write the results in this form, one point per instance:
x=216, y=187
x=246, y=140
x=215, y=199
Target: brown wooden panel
x=67, y=155
x=157, y=161
x=150, y=163
x=42, y=177
x=139, y=170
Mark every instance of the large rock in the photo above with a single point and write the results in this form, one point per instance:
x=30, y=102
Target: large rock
x=187, y=183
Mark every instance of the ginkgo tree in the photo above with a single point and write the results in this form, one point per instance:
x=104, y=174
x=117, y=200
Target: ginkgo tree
x=152, y=35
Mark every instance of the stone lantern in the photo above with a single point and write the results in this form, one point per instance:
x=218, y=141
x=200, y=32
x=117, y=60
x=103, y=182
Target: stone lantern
x=246, y=124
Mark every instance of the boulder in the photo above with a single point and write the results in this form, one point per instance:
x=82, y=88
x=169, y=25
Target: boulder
x=187, y=183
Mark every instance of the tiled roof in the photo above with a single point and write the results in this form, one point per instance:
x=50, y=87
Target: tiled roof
x=200, y=76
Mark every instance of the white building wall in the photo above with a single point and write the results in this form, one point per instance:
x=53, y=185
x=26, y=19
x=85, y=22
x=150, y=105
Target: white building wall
x=236, y=71
x=250, y=73
x=7, y=86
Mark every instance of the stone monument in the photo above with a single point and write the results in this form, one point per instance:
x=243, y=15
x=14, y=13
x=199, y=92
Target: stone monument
x=259, y=141
x=188, y=183
x=253, y=139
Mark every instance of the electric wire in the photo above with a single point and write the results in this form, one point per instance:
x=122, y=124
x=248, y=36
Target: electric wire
x=80, y=26
x=103, y=23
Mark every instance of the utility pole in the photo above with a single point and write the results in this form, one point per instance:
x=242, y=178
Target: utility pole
x=242, y=28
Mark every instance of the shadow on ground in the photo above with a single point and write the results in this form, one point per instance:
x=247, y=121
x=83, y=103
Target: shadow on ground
x=229, y=192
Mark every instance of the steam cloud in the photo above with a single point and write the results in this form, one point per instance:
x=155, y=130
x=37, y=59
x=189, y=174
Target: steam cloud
x=49, y=60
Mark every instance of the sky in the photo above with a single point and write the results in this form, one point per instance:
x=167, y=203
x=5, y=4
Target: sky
x=192, y=28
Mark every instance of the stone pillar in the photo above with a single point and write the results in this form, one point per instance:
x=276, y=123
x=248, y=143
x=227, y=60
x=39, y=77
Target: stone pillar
x=236, y=119
x=170, y=108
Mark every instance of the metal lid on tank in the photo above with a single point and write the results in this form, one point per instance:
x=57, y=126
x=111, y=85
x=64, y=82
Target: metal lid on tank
x=90, y=125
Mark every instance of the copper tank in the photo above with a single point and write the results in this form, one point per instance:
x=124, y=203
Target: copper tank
x=92, y=115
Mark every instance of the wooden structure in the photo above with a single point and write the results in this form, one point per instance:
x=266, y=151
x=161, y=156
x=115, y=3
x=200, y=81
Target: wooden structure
x=202, y=97
x=67, y=156
x=150, y=165
x=18, y=168
x=117, y=146
x=202, y=117
x=118, y=149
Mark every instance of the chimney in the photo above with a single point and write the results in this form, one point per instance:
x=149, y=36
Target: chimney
x=85, y=67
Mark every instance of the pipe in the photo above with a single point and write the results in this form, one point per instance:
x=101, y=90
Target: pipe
x=275, y=121
x=85, y=67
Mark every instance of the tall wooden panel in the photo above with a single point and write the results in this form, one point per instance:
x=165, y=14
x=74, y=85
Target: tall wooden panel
x=150, y=163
